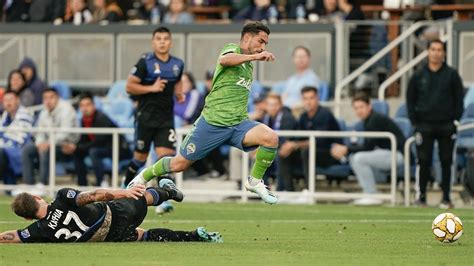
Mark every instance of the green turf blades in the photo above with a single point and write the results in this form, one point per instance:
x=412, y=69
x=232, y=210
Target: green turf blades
x=258, y=235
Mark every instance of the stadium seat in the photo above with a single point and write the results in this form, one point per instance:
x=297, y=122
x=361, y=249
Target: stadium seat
x=118, y=90
x=62, y=88
x=119, y=110
x=465, y=138
x=323, y=91
x=404, y=125
x=468, y=112
x=469, y=97
x=279, y=87
x=402, y=111
x=380, y=107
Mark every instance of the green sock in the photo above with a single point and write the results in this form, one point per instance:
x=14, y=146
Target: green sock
x=159, y=168
x=263, y=160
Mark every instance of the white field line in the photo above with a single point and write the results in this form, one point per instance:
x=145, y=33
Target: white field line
x=362, y=221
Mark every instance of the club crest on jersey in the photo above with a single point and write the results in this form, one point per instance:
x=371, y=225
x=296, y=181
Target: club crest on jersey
x=157, y=69
x=71, y=194
x=25, y=233
x=190, y=148
x=140, y=144
x=175, y=70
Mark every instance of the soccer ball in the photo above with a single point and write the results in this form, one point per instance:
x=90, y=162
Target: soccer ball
x=447, y=227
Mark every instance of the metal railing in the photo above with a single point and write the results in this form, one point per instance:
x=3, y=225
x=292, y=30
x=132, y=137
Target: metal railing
x=341, y=84
x=52, y=148
x=407, y=162
x=313, y=195
x=311, y=135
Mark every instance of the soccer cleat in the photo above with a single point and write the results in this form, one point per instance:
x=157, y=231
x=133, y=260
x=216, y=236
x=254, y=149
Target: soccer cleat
x=421, y=203
x=164, y=207
x=446, y=205
x=173, y=192
x=205, y=236
x=263, y=191
x=138, y=179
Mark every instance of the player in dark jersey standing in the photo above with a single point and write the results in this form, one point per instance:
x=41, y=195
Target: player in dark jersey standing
x=102, y=215
x=153, y=82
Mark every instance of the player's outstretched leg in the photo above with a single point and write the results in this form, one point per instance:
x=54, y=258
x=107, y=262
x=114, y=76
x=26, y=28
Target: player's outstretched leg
x=267, y=140
x=167, y=235
x=165, y=165
x=263, y=160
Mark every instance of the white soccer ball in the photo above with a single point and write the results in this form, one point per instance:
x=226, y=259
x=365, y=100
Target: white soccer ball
x=447, y=227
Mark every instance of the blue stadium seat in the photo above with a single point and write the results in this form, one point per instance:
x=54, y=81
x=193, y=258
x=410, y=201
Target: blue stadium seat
x=404, y=125
x=380, y=107
x=465, y=139
x=323, y=91
x=468, y=112
x=119, y=110
x=469, y=97
x=118, y=90
x=279, y=87
x=62, y=88
x=402, y=111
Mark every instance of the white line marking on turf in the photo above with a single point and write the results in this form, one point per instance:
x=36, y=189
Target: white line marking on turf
x=294, y=221
x=271, y=221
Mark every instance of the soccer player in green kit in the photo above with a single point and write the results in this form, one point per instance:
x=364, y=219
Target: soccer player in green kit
x=225, y=117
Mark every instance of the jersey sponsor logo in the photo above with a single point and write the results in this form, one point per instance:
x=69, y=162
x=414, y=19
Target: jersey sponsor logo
x=246, y=83
x=71, y=194
x=25, y=233
x=157, y=69
x=55, y=218
x=175, y=70
x=190, y=148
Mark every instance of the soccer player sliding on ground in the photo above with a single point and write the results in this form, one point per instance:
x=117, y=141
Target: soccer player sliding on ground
x=225, y=118
x=102, y=215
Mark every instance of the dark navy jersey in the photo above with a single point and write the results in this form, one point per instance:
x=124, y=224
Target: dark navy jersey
x=65, y=221
x=156, y=109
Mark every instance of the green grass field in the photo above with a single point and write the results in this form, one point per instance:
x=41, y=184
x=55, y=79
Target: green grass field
x=258, y=234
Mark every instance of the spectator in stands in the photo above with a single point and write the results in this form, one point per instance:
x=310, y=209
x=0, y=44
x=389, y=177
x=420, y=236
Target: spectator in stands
x=435, y=104
x=315, y=117
x=177, y=13
x=17, y=84
x=16, y=11
x=97, y=147
x=80, y=13
x=191, y=108
x=259, y=10
x=279, y=117
x=369, y=160
x=14, y=116
x=36, y=85
x=57, y=113
x=351, y=9
x=208, y=82
x=331, y=11
x=151, y=11
x=107, y=11
x=48, y=11
x=304, y=76
x=238, y=5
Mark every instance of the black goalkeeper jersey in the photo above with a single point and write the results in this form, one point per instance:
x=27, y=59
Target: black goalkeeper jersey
x=65, y=221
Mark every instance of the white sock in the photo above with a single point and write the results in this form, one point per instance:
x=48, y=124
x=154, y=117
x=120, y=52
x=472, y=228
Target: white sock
x=254, y=181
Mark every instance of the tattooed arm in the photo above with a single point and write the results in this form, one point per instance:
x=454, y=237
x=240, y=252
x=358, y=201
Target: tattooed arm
x=10, y=237
x=103, y=194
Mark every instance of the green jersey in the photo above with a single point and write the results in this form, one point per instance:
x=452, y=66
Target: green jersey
x=226, y=104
